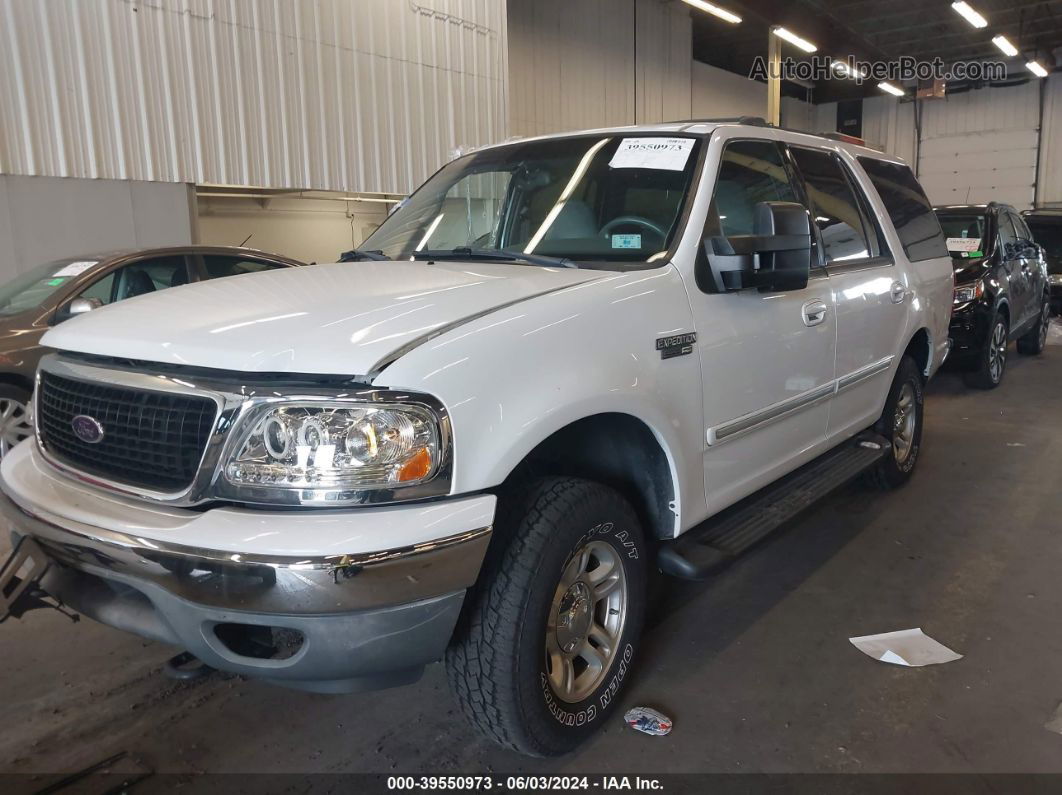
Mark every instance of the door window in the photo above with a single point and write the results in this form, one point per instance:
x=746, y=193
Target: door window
x=139, y=278
x=834, y=205
x=750, y=172
x=906, y=203
x=220, y=265
x=1007, y=236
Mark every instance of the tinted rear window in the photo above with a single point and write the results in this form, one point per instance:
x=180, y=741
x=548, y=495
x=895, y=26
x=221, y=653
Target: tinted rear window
x=908, y=207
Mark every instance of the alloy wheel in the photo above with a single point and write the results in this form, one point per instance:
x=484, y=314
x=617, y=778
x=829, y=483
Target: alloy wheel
x=904, y=422
x=997, y=351
x=14, y=424
x=586, y=620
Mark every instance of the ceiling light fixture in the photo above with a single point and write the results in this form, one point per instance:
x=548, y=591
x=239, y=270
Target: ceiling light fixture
x=792, y=38
x=842, y=68
x=971, y=16
x=890, y=88
x=1004, y=44
x=1036, y=69
x=714, y=10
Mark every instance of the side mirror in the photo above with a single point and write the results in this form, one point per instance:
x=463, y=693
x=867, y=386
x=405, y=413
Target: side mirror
x=776, y=257
x=78, y=306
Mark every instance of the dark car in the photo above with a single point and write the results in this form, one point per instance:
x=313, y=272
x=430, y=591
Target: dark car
x=36, y=300
x=1000, y=288
x=1046, y=228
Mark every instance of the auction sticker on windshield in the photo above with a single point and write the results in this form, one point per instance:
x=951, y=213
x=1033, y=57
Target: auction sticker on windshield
x=964, y=244
x=666, y=154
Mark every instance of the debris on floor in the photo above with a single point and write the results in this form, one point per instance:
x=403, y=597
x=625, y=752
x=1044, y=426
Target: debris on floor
x=910, y=647
x=648, y=721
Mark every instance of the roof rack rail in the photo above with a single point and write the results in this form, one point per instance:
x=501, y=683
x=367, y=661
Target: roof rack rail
x=756, y=121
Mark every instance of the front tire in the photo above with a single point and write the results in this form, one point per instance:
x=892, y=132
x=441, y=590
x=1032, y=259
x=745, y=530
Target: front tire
x=992, y=359
x=14, y=416
x=901, y=424
x=1035, y=340
x=548, y=635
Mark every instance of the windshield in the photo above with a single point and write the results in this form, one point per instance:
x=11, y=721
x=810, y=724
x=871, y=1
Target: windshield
x=964, y=234
x=1047, y=234
x=582, y=200
x=32, y=288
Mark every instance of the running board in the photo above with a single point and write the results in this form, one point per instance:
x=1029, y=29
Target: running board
x=698, y=552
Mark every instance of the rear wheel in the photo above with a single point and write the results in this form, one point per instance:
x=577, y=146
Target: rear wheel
x=1035, y=340
x=991, y=362
x=14, y=416
x=901, y=424
x=548, y=635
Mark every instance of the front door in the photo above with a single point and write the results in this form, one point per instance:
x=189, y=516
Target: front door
x=1017, y=277
x=767, y=359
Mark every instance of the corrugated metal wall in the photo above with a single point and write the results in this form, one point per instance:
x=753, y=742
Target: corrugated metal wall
x=980, y=146
x=361, y=95
x=575, y=64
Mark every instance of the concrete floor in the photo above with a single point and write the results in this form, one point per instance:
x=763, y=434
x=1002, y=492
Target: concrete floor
x=755, y=666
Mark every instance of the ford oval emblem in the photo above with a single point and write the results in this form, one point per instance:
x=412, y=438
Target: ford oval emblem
x=87, y=429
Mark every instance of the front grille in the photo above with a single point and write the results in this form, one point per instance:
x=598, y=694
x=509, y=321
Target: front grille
x=153, y=440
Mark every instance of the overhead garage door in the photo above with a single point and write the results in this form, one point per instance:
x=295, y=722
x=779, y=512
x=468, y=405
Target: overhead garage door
x=973, y=155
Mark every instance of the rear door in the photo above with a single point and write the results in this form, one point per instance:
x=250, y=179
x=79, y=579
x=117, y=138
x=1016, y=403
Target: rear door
x=868, y=291
x=767, y=359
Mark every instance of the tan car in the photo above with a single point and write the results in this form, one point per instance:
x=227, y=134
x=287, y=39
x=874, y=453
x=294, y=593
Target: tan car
x=35, y=301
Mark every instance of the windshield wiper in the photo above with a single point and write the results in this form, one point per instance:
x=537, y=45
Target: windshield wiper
x=358, y=255
x=495, y=254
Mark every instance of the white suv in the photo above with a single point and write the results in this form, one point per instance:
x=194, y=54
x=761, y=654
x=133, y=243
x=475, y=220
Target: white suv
x=562, y=364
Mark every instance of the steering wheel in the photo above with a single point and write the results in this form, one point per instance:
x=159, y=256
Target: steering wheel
x=637, y=220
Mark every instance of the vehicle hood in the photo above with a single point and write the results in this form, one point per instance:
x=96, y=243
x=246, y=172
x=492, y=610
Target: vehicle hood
x=340, y=319
x=970, y=270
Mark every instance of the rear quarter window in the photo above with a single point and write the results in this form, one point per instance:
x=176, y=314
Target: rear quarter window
x=910, y=211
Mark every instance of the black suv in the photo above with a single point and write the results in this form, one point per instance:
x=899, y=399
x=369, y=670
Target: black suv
x=1046, y=227
x=1001, y=291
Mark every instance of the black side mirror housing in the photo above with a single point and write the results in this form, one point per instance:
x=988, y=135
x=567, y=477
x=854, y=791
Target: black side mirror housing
x=775, y=258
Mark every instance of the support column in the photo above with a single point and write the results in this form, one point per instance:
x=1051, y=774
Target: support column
x=774, y=79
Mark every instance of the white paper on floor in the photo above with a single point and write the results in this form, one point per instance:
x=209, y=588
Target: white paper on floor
x=910, y=647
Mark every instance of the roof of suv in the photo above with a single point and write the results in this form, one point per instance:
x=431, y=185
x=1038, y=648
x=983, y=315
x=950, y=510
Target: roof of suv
x=703, y=128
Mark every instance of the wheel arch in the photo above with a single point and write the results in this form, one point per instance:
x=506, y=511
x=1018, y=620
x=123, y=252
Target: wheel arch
x=618, y=450
x=920, y=348
x=16, y=380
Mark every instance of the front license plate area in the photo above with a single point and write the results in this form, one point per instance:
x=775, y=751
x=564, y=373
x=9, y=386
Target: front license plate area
x=19, y=577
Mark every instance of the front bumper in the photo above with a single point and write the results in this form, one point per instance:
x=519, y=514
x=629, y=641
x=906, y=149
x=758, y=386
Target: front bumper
x=329, y=623
x=969, y=330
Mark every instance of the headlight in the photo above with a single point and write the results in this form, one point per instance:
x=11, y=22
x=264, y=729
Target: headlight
x=969, y=292
x=1055, y=278
x=333, y=448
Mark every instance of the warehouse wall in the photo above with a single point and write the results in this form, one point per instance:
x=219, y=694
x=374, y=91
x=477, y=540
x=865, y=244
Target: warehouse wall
x=979, y=145
x=311, y=230
x=371, y=95
x=575, y=64
x=44, y=218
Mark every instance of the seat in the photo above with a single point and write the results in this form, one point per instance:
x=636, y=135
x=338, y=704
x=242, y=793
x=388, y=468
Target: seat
x=180, y=276
x=575, y=220
x=136, y=283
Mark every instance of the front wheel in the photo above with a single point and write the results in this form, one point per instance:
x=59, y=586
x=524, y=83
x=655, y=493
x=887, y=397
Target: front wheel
x=901, y=425
x=14, y=416
x=1035, y=340
x=992, y=359
x=549, y=633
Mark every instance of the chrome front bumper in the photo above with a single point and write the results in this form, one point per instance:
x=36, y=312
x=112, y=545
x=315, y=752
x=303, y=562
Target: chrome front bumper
x=365, y=621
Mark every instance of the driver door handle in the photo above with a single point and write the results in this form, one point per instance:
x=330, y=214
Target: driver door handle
x=813, y=312
x=899, y=293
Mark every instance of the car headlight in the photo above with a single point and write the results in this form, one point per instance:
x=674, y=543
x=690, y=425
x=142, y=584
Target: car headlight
x=1055, y=279
x=335, y=449
x=969, y=292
